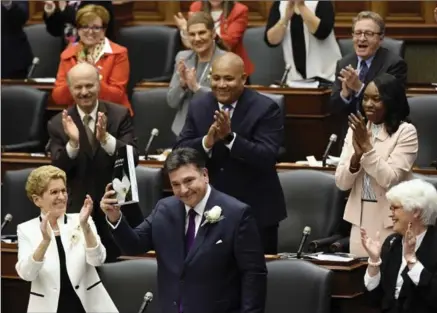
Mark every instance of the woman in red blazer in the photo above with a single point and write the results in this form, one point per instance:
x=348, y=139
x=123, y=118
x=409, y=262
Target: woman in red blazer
x=231, y=19
x=110, y=59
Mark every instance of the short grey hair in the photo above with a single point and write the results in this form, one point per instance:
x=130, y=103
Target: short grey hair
x=370, y=15
x=416, y=194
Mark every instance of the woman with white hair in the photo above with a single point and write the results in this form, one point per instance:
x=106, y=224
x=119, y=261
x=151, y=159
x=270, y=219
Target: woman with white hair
x=402, y=273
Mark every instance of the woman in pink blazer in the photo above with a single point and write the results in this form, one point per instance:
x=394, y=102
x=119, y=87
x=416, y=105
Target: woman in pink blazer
x=379, y=152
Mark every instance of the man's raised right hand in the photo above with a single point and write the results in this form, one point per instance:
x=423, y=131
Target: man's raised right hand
x=109, y=206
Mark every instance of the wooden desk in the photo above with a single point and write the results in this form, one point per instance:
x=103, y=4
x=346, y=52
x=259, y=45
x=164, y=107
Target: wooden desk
x=15, y=291
x=17, y=161
x=14, y=161
x=308, y=120
x=347, y=288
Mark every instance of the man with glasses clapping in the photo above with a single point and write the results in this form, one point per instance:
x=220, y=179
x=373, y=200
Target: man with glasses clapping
x=367, y=61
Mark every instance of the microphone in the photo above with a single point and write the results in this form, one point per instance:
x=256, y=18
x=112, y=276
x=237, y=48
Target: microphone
x=35, y=62
x=47, y=147
x=154, y=133
x=7, y=219
x=148, y=297
x=306, y=232
x=332, y=140
x=283, y=82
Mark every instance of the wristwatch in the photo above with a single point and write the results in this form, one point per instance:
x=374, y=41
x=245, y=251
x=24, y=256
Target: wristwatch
x=228, y=139
x=412, y=260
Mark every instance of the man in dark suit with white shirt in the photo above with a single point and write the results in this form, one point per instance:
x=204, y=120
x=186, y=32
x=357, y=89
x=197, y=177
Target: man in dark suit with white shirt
x=83, y=142
x=356, y=70
x=240, y=131
x=210, y=257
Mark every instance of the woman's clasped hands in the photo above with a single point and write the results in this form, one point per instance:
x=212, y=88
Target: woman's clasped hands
x=361, y=135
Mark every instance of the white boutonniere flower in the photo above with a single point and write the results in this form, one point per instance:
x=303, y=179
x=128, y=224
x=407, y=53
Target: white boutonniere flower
x=213, y=216
x=121, y=188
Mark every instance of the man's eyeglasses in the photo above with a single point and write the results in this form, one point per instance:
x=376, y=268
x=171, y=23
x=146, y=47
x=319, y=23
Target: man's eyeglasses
x=367, y=34
x=95, y=29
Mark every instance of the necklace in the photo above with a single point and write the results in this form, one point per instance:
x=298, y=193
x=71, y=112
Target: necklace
x=207, y=67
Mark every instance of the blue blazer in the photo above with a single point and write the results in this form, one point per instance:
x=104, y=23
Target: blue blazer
x=246, y=172
x=225, y=269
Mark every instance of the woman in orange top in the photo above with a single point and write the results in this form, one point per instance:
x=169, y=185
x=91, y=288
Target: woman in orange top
x=110, y=59
x=230, y=18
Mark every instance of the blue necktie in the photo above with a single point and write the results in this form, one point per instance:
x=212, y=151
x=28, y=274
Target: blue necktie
x=227, y=107
x=363, y=71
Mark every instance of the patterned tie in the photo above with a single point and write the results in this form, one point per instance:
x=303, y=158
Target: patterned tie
x=363, y=71
x=89, y=133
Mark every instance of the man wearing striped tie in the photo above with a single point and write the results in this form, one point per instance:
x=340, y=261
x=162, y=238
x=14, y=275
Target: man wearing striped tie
x=209, y=254
x=83, y=142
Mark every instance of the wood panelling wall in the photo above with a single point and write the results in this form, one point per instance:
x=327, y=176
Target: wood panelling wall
x=409, y=20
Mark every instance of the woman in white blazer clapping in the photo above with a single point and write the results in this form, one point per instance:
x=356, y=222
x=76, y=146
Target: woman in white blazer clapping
x=58, y=252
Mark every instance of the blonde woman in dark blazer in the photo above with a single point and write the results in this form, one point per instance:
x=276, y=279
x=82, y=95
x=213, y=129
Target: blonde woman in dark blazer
x=379, y=152
x=58, y=252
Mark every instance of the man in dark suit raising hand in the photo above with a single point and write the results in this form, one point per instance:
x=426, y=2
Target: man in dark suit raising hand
x=210, y=258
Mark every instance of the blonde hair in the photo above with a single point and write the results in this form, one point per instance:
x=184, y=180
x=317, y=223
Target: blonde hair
x=90, y=12
x=39, y=179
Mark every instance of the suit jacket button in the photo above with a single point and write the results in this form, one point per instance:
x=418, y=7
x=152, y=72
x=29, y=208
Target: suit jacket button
x=222, y=169
x=76, y=287
x=174, y=303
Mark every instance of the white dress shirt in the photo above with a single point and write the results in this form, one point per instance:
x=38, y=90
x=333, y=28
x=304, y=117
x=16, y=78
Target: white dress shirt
x=111, y=142
x=200, y=209
x=372, y=282
x=229, y=145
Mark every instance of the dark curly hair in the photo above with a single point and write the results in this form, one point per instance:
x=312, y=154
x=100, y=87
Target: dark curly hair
x=393, y=97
